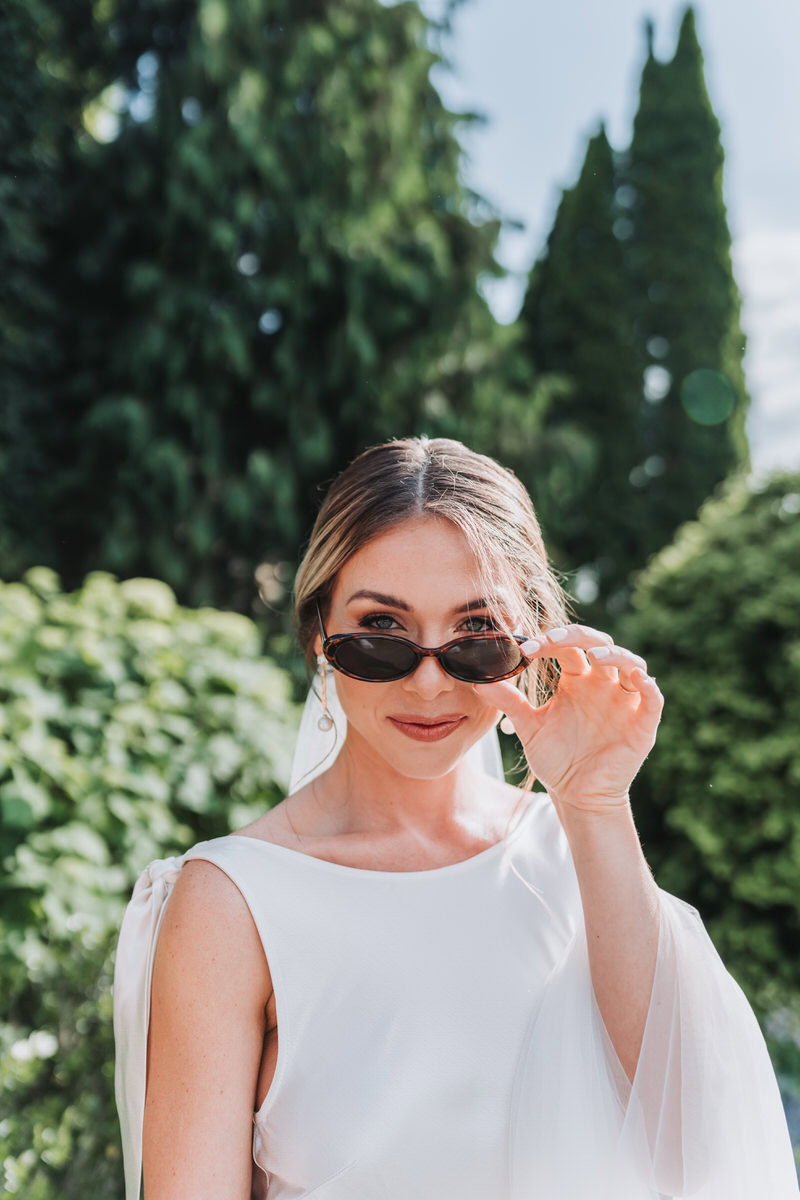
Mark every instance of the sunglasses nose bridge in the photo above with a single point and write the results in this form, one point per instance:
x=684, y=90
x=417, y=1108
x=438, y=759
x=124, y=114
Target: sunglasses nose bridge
x=418, y=669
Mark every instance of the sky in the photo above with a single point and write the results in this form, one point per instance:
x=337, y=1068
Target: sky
x=545, y=74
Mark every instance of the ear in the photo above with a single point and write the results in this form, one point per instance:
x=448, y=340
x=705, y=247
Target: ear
x=317, y=645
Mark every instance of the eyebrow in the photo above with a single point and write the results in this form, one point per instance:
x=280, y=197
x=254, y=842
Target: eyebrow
x=394, y=602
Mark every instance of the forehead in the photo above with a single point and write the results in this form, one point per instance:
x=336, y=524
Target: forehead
x=425, y=561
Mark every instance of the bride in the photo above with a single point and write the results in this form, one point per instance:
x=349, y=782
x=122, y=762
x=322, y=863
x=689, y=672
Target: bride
x=410, y=980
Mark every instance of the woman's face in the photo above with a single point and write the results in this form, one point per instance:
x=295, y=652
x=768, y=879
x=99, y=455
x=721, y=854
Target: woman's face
x=417, y=581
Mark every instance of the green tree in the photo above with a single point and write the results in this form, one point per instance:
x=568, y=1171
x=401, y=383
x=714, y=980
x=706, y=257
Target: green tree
x=575, y=323
x=269, y=261
x=634, y=305
x=688, y=342
x=29, y=192
x=717, y=617
x=52, y=61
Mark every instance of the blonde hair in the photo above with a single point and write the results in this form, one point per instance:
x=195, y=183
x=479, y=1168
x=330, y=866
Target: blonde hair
x=414, y=477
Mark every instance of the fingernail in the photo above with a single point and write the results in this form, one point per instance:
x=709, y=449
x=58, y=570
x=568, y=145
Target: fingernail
x=599, y=651
x=531, y=646
x=557, y=635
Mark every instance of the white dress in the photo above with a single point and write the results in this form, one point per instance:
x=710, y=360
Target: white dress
x=439, y=1037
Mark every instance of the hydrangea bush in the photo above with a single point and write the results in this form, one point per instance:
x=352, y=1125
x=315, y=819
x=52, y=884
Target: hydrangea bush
x=129, y=729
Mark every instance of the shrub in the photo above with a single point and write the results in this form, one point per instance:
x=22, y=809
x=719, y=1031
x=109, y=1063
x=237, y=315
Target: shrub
x=717, y=616
x=129, y=729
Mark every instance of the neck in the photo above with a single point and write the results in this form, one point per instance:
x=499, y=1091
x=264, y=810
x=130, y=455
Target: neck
x=366, y=794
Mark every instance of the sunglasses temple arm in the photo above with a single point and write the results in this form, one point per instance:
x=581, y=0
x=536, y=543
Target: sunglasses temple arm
x=323, y=635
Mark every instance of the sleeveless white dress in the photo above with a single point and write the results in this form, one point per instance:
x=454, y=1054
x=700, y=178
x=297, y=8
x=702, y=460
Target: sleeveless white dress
x=439, y=1037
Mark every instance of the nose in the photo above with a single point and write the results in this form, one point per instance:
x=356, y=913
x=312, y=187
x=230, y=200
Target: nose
x=430, y=679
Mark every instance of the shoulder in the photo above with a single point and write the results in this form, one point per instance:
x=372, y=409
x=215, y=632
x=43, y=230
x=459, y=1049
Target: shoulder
x=205, y=1033
x=208, y=933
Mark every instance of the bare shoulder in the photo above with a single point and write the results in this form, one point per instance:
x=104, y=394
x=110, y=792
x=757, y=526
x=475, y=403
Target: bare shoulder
x=208, y=934
x=205, y=1035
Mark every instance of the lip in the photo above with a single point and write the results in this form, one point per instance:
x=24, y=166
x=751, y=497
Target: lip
x=428, y=729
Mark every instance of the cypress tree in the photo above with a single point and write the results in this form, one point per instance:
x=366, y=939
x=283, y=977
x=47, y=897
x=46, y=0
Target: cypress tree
x=634, y=304
x=575, y=323
x=688, y=343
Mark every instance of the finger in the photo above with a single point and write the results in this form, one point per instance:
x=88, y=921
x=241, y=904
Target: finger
x=652, y=698
x=576, y=635
x=510, y=700
x=567, y=643
x=571, y=659
x=606, y=661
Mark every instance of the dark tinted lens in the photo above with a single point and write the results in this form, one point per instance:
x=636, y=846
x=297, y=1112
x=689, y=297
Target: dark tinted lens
x=481, y=659
x=375, y=658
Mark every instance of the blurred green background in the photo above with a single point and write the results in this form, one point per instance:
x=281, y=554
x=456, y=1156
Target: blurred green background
x=235, y=249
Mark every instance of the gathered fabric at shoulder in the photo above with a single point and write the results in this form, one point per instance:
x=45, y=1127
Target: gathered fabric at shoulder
x=133, y=972
x=703, y=1116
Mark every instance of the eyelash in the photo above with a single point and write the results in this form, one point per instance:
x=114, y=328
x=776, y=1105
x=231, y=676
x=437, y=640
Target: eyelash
x=367, y=622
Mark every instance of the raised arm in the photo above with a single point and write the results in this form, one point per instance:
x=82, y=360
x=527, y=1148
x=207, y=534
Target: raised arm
x=662, y=1075
x=210, y=988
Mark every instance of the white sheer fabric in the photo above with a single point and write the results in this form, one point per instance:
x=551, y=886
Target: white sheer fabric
x=703, y=1116
x=133, y=973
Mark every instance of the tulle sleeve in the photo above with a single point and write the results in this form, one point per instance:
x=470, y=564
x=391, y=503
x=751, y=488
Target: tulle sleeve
x=133, y=972
x=703, y=1116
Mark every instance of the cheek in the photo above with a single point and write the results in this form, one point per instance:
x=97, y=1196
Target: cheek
x=486, y=718
x=358, y=699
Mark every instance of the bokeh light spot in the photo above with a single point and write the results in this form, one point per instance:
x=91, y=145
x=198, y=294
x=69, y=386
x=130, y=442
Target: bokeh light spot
x=654, y=466
x=191, y=111
x=657, y=347
x=657, y=382
x=270, y=320
x=789, y=505
x=248, y=264
x=707, y=396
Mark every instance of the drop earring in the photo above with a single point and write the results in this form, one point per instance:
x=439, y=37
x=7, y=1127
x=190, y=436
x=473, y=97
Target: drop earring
x=326, y=720
x=506, y=725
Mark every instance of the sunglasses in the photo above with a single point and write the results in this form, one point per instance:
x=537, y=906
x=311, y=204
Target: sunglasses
x=380, y=658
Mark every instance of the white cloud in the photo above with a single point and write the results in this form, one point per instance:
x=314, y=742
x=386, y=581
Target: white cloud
x=767, y=269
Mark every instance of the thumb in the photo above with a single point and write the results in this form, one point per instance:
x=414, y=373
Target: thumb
x=510, y=700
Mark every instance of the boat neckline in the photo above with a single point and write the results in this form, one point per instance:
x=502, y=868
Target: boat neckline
x=448, y=869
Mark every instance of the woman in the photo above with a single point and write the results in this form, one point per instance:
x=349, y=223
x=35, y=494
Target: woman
x=410, y=979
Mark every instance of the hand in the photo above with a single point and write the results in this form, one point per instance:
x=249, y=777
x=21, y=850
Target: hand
x=587, y=743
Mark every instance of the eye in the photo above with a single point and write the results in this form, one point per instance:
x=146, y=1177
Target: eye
x=484, y=624
x=375, y=621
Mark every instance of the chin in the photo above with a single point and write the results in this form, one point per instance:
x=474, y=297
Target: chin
x=425, y=761
x=426, y=769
